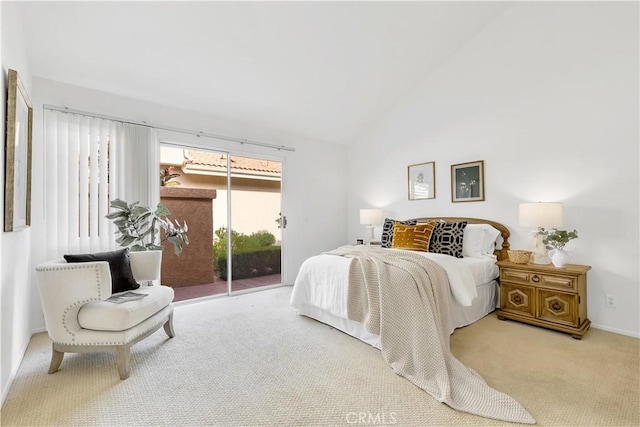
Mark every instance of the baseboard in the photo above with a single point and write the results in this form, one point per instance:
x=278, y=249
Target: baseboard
x=38, y=330
x=14, y=371
x=617, y=331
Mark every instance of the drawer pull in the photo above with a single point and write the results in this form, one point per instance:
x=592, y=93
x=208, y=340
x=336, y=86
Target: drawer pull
x=535, y=278
x=556, y=305
x=517, y=299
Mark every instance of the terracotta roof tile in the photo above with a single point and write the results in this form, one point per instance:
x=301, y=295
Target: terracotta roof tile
x=217, y=160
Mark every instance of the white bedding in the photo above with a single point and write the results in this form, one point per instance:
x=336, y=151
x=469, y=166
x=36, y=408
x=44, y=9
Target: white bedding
x=483, y=269
x=320, y=290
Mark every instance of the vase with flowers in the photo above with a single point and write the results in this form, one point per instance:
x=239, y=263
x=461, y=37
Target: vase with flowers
x=555, y=240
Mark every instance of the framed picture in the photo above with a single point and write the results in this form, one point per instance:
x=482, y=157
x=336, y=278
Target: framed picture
x=467, y=182
x=17, y=189
x=422, y=181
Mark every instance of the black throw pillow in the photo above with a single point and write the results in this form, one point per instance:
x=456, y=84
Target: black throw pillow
x=447, y=238
x=121, y=275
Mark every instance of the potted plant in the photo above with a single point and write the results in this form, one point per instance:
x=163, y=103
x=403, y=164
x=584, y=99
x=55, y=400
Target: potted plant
x=139, y=227
x=555, y=240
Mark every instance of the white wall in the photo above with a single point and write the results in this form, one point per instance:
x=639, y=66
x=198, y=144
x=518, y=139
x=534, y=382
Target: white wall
x=547, y=96
x=15, y=292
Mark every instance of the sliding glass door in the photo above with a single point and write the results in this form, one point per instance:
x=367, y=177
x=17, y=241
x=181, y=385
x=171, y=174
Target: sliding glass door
x=255, y=211
x=232, y=205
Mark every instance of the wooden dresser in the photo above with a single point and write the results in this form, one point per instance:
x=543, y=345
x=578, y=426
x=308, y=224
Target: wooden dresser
x=543, y=295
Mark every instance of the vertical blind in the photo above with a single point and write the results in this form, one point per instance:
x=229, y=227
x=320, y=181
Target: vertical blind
x=89, y=162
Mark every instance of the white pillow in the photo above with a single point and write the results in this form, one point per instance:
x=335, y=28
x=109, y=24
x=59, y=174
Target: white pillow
x=479, y=240
x=491, y=236
x=473, y=240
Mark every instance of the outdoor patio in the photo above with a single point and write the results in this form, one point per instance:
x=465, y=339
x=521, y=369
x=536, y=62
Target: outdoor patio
x=220, y=287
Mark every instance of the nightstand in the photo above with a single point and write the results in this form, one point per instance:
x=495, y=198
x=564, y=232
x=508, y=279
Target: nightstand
x=546, y=296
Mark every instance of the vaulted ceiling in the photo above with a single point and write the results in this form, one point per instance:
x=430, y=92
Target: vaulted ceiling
x=322, y=70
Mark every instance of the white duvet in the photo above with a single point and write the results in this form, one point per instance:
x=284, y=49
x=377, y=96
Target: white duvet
x=323, y=279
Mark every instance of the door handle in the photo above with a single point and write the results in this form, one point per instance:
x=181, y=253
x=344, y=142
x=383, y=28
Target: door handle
x=282, y=221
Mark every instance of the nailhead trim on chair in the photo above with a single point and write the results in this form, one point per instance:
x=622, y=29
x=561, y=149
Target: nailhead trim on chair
x=66, y=311
x=77, y=266
x=82, y=302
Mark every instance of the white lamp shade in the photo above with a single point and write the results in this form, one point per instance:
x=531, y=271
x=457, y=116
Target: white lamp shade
x=371, y=216
x=540, y=214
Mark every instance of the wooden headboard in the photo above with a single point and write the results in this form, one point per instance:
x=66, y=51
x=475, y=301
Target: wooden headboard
x=504, y=232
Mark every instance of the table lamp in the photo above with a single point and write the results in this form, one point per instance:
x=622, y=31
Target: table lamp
x=547, y=215
x=370, y=218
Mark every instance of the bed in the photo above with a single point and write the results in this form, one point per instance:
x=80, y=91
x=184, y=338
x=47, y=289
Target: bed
x=405, y=299
x=320, y=289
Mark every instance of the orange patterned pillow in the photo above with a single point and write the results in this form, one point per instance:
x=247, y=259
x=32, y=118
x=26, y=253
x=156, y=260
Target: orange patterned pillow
x=412, y=237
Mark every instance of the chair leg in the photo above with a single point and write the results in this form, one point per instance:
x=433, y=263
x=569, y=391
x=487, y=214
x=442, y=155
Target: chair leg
x=123, y=356
x=168, y=326
x=56, y=359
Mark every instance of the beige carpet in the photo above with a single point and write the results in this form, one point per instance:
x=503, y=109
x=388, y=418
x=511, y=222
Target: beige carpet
x=249, y=360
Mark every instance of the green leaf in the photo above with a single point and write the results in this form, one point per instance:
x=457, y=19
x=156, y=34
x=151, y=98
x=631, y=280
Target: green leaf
x=144, y=228
x=177, y=245
x=117, y=214
x=119, y=204
x=162, y=210
x=120, y=222
x=126, y=240
x=139, y=211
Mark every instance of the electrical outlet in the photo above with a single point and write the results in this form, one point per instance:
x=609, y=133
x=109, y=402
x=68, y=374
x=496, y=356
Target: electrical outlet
x=610, y=301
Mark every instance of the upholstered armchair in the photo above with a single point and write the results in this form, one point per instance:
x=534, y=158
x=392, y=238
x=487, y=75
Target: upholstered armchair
x=79, y=318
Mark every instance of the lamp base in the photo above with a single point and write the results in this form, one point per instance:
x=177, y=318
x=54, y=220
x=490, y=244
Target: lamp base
x=540, y=259
x=539, y=252
x=370, y=228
